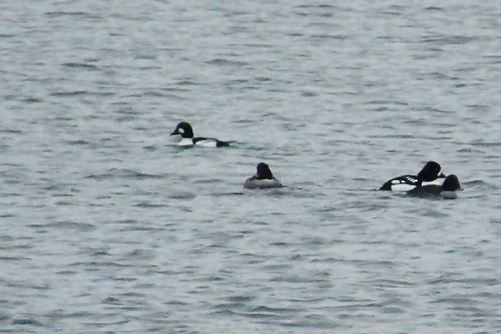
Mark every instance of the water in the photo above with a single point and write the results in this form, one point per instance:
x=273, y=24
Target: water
x=106, y=226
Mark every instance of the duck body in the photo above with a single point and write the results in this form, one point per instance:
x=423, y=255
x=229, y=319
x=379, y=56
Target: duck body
x=408, y=182
x=185, y=130
x=430, y=174
x=256, y=183
x=447, y=190
x=263, y=179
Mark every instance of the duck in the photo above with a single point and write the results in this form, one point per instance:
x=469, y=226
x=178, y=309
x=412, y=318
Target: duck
x=429, y=174
x=447, y=190
x=263, y=179
x=185, y=130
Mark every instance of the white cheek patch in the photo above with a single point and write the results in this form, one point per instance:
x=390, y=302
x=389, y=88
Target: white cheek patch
x=180, y=130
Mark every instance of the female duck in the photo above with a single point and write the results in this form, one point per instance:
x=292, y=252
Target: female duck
x=263, y=179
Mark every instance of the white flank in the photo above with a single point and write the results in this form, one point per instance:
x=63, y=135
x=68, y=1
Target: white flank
x=438, y=182
x=262, y=184
x=185, y=142
x=402, y=187
x=207, y=143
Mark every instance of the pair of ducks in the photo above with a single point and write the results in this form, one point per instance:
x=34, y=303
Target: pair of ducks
x=429, y=182
x=263, y=179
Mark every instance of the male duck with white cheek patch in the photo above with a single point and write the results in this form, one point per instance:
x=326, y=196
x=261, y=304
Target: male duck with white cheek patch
x=185, y=130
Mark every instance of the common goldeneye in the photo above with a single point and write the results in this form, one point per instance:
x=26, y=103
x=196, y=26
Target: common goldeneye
x=446, y=190
x=430, y=174
x=187, y=139
x=263, y=179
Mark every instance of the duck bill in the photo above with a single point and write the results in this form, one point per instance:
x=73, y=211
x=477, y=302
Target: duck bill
x=175, y=132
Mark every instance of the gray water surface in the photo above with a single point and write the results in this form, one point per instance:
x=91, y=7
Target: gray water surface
x=107, y=226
